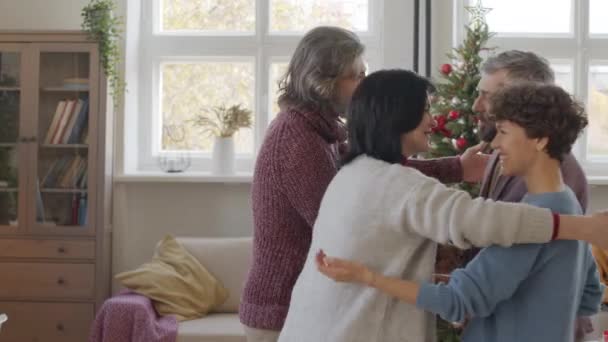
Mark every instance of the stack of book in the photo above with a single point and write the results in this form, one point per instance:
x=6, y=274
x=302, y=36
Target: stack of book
x=67, y=172
x=69, y=122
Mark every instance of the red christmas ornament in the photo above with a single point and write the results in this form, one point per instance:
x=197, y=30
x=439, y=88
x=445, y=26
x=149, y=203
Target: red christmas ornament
x=453, y=114
x=446, y=69
x=461, y=143
x=441, y=121
x=446, y=132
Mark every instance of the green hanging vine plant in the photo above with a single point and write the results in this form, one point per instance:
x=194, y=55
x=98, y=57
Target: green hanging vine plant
x=102, y=26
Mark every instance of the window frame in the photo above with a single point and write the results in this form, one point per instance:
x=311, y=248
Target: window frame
x=261, y=47
x=580, y=49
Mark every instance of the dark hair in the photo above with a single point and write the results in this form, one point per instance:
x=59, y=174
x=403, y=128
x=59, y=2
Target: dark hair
x=323, y=55
x=385, y=105
x=542, y=110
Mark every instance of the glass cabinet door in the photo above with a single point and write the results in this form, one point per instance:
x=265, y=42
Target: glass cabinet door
x=11, y=147
x=62, y=187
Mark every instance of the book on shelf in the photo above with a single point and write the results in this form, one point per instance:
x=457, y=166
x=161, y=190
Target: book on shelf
x=82, y=210
x=40, y=214
x=63, y=120
x=75, y=204
x=76, y=83
x=76, y=131
x=57, y=167
x=79, y=210
x=76, y=216
x=66, y=172
x=68, y=122
x=63, y=138
x=53, y=126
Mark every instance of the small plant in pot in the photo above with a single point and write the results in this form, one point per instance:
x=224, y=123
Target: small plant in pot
x=222, y=123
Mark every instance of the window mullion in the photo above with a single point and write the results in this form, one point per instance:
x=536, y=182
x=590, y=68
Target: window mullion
x=262, y=71
x=581, y=72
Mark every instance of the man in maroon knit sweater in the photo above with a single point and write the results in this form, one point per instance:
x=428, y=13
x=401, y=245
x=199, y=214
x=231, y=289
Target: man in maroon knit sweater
x=297, y=161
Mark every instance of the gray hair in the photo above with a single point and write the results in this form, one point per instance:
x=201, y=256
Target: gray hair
x=323, y=55
x=520, y=66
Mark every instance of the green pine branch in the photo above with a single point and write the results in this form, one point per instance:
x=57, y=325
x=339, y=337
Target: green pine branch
x=456, y=91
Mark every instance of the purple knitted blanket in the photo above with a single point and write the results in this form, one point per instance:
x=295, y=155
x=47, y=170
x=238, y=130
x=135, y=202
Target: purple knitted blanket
x=130, y=317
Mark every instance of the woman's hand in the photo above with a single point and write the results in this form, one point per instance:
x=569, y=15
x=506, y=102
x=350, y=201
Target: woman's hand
x=601, y=236
x=474, y=163
x=354, y=272
x=343, y=270
x=592, y=229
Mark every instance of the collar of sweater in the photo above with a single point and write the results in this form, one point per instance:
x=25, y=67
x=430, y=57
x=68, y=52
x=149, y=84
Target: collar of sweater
x=327, y=124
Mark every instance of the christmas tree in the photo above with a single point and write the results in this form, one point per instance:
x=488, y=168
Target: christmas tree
x=452, y=103
x=456, y=128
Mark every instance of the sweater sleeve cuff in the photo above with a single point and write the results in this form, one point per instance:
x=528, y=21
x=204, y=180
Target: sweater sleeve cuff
x=431, y=298
x=537, y=226
x=555, y=226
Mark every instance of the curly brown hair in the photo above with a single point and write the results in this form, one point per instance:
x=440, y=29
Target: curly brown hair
x=542, y=110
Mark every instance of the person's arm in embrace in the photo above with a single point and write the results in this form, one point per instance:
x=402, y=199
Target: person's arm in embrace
x=443, y=214
x=468, y=167
x=471, y=292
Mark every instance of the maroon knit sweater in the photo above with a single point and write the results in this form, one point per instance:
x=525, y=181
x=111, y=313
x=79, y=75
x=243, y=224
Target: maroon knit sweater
x=295, y=165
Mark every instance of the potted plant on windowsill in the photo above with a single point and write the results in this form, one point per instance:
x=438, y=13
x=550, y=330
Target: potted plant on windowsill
x=222, y=123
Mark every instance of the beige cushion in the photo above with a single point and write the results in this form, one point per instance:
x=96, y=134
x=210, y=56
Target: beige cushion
x=212, y=328
x=176, y=282
x=228, y=259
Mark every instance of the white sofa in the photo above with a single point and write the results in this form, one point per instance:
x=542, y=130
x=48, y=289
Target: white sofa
x=228, y=259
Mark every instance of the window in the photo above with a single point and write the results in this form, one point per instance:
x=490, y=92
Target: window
x=597, y=108
x=301, y=15
x=530, y=17
x=190, y=88
x=573, y=36
x=193, y=55
x=597, y=17
x=204, y=16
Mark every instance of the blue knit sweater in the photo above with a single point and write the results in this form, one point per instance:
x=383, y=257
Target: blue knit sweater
x=529, y=292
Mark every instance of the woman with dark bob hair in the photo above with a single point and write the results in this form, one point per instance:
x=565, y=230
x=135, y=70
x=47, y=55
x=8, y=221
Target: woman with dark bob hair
x=390, y=218
x=297, y=160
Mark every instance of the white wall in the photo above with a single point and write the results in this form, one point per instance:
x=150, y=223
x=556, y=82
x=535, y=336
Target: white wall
x=147, y=211
x=41, y=14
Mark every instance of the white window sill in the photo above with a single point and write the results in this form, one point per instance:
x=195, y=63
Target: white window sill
x=183, y=177
x=597, y=180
